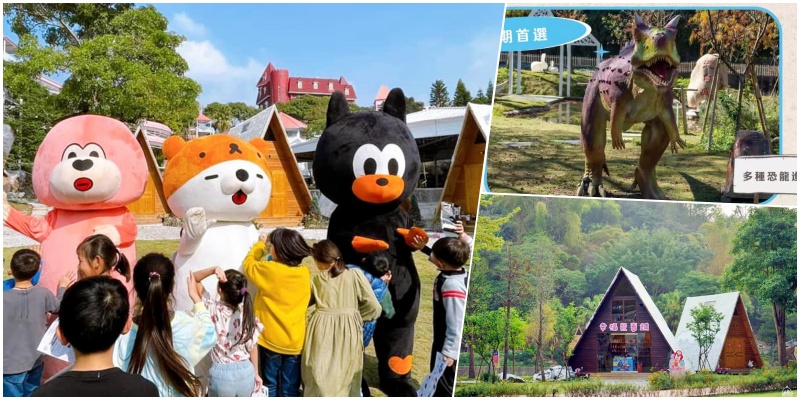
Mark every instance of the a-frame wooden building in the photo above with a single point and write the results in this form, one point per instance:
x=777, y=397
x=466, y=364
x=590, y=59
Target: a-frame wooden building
x=290, y=200
x=463, y=184
x=734, y=345
x=626, y=334
x=152, y=206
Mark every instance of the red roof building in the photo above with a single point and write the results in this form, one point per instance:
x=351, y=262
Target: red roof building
x=275, y=86
x=380, y=98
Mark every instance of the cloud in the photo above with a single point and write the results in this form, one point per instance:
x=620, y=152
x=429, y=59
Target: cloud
x=222, y=80
x=186, y=26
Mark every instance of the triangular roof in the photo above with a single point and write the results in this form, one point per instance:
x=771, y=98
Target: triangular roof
x=475, y=115
x=152, y=164
x=383, y=93
x=203, y=118
x=648, y=303
x=724, y=303
x=290, y=122
x=258, y=126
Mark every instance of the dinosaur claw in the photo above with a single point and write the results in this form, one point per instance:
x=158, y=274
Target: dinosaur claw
x=583, y=187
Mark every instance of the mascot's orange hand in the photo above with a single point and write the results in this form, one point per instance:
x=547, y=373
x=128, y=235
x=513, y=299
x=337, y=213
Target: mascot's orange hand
x=366, y=245
x=416, y=238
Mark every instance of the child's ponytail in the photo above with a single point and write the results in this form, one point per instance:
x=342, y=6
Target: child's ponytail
x=101, y=246
x=326, y=252
x=235, y=292
x=154, y=280
x=123, y=266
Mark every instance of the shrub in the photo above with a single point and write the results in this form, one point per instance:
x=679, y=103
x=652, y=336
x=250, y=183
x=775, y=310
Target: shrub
x=660, y=381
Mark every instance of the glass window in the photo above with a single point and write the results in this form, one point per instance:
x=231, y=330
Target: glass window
x=346, y=91
x=630, y=310
x=299, y=84
x=330, y=85
x=617, y=310
x=316, y=85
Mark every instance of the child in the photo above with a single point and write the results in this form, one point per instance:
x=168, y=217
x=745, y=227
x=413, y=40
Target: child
x=97, y=255
x=284, y=291
x=235, y=357
x=25, y=309
x=332, y=355
x=168, y=344
x=378, y=263
x=449, y=304
x=94, y=312
x=8, y=284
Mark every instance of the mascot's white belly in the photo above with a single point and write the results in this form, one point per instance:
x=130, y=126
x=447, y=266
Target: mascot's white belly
x=224, y=245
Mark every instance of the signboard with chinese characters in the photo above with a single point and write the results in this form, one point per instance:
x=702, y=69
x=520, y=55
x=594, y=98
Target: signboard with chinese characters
x=765, y=174
x=535, y=33
x=625, y=327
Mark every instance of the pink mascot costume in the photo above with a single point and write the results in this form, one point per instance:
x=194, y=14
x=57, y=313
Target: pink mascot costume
x=88, y=168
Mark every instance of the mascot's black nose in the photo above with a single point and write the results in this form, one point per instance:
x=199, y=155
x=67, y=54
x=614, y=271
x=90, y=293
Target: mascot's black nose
x=82, y=165
x=382, y=182
x=242, y=175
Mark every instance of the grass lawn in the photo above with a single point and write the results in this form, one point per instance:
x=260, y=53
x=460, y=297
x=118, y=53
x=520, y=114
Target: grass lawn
x=21, y=207
x=423, y=329
x=554, y=168
x=545, y=83
x=762, y=394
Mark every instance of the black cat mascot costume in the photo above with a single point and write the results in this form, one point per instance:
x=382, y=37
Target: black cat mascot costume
x=368, y=164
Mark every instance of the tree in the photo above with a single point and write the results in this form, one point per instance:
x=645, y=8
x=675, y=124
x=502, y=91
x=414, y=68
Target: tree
x=765, y=264
x=312, y=111
x=413, y=106
x=439, y=94
x=704, y=327
x=122, y=62
x=737, y=36
x=242, y=111
x=480, y=98
x=490, y=92
x=516, y=335
x=517, y=288
x=221, y=114
x=462, y=96
x=671, y=306
x=540, y=251
x=565, y=326
x=541, y=322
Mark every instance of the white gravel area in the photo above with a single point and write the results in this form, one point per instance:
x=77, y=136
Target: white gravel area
x=12, y=238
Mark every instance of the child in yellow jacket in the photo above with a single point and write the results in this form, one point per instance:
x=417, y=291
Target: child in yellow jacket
x=284, y=291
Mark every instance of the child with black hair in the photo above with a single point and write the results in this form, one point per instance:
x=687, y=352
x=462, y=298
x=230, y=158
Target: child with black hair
x=235, y=357
x=97, y=255
x=449, y=255
x=94, y=312
x=379, y=264
x=332, y=355
x=164, y=345
x=283, y=293
x=25, y=310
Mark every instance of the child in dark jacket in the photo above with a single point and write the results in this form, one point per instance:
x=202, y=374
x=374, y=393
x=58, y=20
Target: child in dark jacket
x=377, y=263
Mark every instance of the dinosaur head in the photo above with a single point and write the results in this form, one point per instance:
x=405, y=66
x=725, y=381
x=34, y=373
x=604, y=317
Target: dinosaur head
x=655, y=58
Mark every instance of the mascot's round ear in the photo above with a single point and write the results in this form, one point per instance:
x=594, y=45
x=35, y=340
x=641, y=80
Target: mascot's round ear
x=395, y=104
x=262, y=146
x=172, y=146
x=337, y=108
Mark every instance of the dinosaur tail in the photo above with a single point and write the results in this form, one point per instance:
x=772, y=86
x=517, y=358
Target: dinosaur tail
x=605, y=168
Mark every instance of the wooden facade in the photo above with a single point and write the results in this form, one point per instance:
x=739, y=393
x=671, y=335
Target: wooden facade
x=740, y=344
x=625, y=333
x=152, y=205
x=290, y=199
x=463, y=184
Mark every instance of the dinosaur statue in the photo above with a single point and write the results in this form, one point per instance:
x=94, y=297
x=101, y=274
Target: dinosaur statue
x=633, y=87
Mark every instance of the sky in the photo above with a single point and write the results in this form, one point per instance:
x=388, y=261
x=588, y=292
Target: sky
x=228, y=46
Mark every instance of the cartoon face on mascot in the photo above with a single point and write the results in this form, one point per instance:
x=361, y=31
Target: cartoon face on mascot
x=88, y=168
x=218, y=184
x=368, y=164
